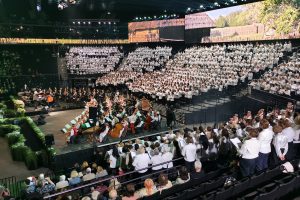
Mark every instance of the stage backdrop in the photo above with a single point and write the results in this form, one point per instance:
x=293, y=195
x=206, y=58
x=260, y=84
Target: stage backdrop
x=250, y=22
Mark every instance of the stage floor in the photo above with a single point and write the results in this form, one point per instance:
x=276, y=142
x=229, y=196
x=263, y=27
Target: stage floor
x=57, y=120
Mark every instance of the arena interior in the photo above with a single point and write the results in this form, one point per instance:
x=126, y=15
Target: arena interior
x=158, y=99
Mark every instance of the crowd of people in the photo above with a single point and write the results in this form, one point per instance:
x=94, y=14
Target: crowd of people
x=283, y=79
x=255, y=141
x=116, y=116
x=146, y=59
x=196, y=69
x=52, y=96
x=143, y=59
x=199, y=69
x=93, y=60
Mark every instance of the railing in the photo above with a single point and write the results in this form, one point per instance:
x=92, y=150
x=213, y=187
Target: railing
x=12, y=184
x=118, y=176
x=271, y=99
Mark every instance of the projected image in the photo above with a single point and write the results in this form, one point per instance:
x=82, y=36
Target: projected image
x=255, y=22
x=156, y=30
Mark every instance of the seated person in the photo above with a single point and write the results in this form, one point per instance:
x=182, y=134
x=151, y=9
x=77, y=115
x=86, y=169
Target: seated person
x=163, y=182
x=45, y=185
x=62, y=183
x=184, y=176
x=74, y=178
x=198, y=171
x=89, y=175
x=149, y=189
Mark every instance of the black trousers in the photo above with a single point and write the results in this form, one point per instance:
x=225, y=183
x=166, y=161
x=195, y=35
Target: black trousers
x=190, y=166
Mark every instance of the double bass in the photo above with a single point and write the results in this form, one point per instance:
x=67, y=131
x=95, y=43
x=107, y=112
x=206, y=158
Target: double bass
x=116, y=131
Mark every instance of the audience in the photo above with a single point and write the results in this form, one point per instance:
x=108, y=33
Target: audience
x=92, y=60
x=149, y=189
x=283, y=79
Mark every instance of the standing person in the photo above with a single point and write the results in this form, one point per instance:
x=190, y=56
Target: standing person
x=170, y=115
x=114, y=156
x=189, y=154
x=265, y=138
x=141, y=161
x=281, y=145
x=249, y=152
x=289, y=132
x=73, y=134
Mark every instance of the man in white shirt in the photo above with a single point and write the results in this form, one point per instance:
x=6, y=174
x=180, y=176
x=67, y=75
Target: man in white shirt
x=265, y=138
x=156, y=159
x=141, y=161
x=189, y=154
x=249, y=152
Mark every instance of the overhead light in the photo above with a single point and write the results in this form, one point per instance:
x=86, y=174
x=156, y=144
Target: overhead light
x=201, y=6
x=89, y=22
x=99, y=22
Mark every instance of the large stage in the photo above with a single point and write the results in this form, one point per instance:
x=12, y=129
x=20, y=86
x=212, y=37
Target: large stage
x=84, y=150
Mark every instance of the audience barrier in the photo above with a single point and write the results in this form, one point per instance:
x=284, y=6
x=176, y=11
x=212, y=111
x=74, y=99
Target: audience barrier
x=101, y=180
x=271, y=99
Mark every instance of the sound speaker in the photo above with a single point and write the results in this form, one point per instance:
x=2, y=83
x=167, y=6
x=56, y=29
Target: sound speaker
x=93, y=113
x=49, y=139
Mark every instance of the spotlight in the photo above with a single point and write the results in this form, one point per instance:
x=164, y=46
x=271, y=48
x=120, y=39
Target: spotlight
x=99, y=22
x=78, y=23
x=201, y=6
x=89, y=22
x=73, y=22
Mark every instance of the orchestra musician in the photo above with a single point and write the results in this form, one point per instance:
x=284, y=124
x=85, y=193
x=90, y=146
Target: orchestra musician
x=93, y=102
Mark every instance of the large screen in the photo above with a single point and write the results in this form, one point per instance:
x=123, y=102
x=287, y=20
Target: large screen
x=250, y=22
x=156, y=30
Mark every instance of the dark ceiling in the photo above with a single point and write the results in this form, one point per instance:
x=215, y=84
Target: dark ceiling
x=125, y=10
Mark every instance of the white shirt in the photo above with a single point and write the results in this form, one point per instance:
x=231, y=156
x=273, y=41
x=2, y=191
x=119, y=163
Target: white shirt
x=61, y=184
x=280, y=142
x=265, y=138
x=189, y=152
x=112, y=161
x=168, y=156
x=289, y=133
x=250, y=149
x=155, y=160
x=141, y=161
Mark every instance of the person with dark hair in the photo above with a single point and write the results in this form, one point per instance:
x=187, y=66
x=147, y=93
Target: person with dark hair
x=249, y=152
x=130, y=193
x=113, y=159
x=163, y=182
x=203, y=141
x=183, y=175
x=227, y=151
x=189, y=154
